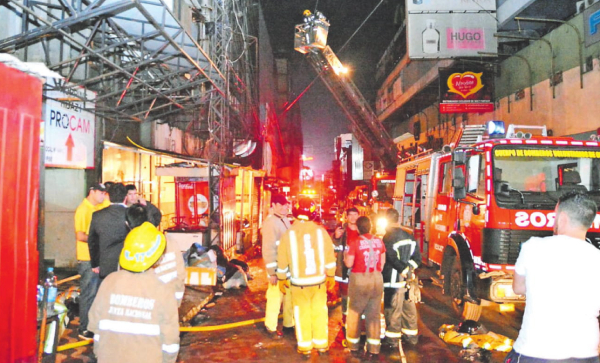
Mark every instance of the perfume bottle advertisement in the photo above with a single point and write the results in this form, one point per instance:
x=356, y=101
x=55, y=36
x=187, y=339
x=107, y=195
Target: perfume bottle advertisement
x=450, y=5
x=451, y=35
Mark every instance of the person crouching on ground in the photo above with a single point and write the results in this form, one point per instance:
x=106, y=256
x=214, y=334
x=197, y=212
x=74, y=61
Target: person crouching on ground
x=366, y=257
x=134, y=315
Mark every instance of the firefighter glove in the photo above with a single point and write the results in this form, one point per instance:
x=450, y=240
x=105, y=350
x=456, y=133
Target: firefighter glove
x=283, y=286
x=330, y=282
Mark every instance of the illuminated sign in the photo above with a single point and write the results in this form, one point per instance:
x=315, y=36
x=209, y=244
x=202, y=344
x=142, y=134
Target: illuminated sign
x=546, y=153
x=466, y=91
x=70, y=130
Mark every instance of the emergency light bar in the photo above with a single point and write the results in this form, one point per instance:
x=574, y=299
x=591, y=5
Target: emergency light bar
x=496, y=129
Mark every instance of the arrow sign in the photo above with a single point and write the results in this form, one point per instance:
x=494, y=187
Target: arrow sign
x=69, y=144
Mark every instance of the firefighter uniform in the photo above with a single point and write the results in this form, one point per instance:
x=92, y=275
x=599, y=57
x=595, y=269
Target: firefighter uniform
x=134, y=316
x=364, y=292
x=171, y=270
x=273, y=228
x=306, y=252
x=402, y=257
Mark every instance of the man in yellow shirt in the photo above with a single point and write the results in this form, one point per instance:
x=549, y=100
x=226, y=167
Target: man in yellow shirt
x=89, y=281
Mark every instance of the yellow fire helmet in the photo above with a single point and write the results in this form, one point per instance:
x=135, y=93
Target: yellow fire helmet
x=143, y=247
x=306, y=12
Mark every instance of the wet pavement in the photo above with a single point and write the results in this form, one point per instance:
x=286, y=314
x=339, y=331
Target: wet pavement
x=213, y=306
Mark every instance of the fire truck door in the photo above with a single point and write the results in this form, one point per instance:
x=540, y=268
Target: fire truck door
x=443, y=214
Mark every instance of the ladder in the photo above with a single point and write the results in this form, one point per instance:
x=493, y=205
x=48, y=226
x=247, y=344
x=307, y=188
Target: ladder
x=367, y=129
x=471, y=134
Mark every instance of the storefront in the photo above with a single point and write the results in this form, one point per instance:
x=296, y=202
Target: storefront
x=178, y=186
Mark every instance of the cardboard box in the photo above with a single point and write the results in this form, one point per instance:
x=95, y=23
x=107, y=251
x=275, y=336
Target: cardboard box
x=200, y=276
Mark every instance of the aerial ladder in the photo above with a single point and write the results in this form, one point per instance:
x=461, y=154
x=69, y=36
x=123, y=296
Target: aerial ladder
x=311, y=39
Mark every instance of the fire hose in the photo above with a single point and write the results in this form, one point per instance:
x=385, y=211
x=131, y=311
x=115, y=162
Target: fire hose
x=82, y=343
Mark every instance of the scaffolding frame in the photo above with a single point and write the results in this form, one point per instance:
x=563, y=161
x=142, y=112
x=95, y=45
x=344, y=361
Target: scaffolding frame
x=144, y=66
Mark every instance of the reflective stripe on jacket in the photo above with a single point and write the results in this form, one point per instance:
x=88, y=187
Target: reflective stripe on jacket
x=135, y=319
x=402, y=254
x=272, y=229
x=306, y=252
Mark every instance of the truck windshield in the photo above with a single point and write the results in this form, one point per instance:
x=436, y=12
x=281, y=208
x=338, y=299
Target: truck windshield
x=534, y=177
x=385, y=189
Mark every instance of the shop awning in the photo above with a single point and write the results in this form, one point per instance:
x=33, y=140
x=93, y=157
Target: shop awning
x=185, y=166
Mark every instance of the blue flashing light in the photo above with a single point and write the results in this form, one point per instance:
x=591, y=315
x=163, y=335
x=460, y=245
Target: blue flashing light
x=496, y=129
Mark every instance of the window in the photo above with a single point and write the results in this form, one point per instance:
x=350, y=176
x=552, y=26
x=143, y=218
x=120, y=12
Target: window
x=475, y=175
x=446, y=185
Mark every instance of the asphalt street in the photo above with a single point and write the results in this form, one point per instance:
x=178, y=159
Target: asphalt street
x=249, y=343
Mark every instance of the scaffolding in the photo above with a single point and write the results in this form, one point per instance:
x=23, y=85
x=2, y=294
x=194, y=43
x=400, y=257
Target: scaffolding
x=146, y=63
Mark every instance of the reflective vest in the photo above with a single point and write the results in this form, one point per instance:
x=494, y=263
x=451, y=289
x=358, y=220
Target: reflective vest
x=306, y=252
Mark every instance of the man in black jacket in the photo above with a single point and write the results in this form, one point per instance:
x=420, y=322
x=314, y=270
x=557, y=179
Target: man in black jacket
x=154, y=214
x=402, y=257
x=108, y=231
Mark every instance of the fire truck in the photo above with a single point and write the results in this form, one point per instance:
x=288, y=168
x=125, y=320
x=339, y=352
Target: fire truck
x=471, y=207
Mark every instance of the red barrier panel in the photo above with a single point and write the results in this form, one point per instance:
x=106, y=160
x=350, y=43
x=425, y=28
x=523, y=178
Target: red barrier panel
x=20, y=113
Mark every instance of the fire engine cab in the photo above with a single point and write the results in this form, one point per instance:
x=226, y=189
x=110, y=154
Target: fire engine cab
x=471, y=208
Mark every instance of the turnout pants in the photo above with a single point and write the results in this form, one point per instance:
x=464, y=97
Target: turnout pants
x=400, y=315
x=311, y=316
x=274, y=301
x=364, y=297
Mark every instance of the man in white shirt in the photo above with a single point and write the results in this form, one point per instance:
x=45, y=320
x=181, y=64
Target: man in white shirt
x=560, y=275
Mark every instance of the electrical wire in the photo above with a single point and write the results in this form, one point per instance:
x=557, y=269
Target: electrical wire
x=360, y=26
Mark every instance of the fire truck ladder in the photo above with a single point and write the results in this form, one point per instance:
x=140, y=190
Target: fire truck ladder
x=367, y=129
x=470, y=135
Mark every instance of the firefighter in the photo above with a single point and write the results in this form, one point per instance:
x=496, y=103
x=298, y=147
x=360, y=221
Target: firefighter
x=341, y=237
x=273, y=228
x=366, y=257
x=306, y=252
x=402, y=258
x=134, y=315
x=171, y=269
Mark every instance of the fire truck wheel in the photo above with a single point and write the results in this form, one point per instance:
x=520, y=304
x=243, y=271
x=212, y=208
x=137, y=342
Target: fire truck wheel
x=465, y=309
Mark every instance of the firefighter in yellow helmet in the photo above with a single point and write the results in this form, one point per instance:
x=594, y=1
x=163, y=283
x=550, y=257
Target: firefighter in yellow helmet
x=134, y=315
x=306, y=252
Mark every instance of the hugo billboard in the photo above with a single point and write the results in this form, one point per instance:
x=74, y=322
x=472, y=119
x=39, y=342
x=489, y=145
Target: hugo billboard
x=449, y=35
x=450, y=5
x=466, y=91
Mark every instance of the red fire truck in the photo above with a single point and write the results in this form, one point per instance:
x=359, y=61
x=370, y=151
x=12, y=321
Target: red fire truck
x=471, y=208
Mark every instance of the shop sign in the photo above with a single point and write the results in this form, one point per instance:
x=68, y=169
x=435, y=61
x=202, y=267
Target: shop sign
x=591, y=24
x=69, y=131
x=466, y=91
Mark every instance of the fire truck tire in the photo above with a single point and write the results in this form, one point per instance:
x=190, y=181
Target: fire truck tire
x=466, y=310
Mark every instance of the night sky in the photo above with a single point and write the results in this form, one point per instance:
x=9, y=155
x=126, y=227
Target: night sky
x=322, y=118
